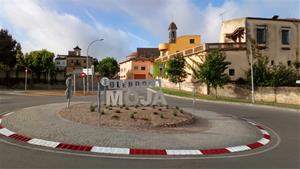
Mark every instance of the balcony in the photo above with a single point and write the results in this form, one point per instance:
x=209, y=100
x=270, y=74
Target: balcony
x=225, y=46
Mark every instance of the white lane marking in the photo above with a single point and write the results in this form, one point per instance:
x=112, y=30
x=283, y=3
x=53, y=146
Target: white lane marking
x=183, y=152
x=264, y=132
x=6, y=132
x=110, y=150
x=8, y=114
x=264, y=141
x=238, y=148
x=42, y=142
x=252, y=123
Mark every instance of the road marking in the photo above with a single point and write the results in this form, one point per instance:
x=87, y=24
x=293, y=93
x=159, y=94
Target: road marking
x=42, y=142
x=6, y=132
x=110, y=150
x=238, y=148
x=184, y=152
x=264, y=141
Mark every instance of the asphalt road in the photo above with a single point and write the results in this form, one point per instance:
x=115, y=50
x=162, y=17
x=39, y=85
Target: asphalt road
x=283, y=152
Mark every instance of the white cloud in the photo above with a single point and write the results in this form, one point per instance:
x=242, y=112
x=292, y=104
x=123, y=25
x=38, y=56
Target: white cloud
x=155, y=15
x=37, y=27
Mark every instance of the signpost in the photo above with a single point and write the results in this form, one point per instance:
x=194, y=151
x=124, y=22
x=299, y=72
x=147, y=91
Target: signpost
x=68, y=90
x=82, y=75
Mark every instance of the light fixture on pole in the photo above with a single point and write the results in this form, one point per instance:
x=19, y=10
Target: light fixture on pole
x=87, y=63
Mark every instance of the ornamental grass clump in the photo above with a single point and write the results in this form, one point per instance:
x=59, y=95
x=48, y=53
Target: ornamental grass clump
x=92, y=108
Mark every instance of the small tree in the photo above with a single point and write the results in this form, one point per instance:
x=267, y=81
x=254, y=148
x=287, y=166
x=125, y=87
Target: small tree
x=176, y=70
x=282, y=75
x=108, y=67
x=261, y=72
x=212, y=71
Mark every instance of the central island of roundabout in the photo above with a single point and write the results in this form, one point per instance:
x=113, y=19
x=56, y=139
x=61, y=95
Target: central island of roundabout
x=133, y=129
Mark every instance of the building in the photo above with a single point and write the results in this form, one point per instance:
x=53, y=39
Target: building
x=74, y=62
x=276, y=38
x=139, y=65
x=177, y=44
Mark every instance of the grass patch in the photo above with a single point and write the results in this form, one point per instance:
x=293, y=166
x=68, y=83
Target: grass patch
x=222, y=98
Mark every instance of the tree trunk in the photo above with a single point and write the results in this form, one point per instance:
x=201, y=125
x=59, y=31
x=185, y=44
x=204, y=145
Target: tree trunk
x=216, y=92
x=7, y=78
x=208, y=89
x=275, y=93
x=179, y=86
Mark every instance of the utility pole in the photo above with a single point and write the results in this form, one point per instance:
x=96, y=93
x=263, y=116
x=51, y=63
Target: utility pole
x=252, y=81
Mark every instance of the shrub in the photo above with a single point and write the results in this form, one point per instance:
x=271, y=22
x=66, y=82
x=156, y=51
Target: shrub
x=167, y=106
x=135, y=112
x=161, y=116
x=126, y=108
x=102, y=112
x=132, y=116
x=155, y=113
x=174, y=113
x=159, y=109
x=118, y=111
x=115, y=117
x=92, y=108
x=136, y=106
x=153, y=106
x=177, y=107
x=181, y=111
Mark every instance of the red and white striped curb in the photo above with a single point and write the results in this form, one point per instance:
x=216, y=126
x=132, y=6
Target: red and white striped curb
x=137, y=151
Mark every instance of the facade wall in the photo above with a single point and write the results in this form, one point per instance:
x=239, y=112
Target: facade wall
x=182, y=43
x=230, y=26
x=133, y=69
x=274, y=48
x=239, y=63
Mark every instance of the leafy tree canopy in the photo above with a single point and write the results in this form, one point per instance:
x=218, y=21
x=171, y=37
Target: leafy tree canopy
x=176, y=70
x=8, y=50
x=108, y=67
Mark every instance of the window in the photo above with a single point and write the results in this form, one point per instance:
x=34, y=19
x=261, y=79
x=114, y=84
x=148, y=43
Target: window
x=143, y=68
x=135, y=67
x=285, y=36
x=272, y=62
x=84, y=61
x=289, y=63
x=192, y=41
x=58, y=62
x=261, y=34
x=231, y=72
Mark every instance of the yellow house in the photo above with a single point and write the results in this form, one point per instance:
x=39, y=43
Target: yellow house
x=177, y=44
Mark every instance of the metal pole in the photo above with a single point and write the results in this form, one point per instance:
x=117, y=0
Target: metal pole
x=83, y=81
x=74, y=77
x=26, y=79
x=252, y=83
x=194, y=99
x=99, y=103
x=87, y=61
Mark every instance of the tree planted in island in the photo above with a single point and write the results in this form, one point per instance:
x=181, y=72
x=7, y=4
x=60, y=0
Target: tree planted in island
x=108, y=67
x=176, y=70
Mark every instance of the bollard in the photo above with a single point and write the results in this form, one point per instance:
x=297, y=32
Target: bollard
x=68, y=90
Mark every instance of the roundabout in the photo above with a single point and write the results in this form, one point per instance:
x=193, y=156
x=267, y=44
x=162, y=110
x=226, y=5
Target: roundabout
x=211, y=134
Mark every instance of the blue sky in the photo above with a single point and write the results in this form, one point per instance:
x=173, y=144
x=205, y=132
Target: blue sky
x=59, y=25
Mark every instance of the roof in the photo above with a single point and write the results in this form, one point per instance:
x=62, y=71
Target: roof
x=136, y=59
x=267, y=19
x=151, y=53
x=77, y=48
x=172, y=26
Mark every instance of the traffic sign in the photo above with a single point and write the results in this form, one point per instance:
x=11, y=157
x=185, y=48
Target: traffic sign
x=82, y=74
x=104, y=81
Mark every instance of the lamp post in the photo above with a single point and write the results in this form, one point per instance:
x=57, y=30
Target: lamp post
x=26, y=70
x=252, y=83
x=87, y=63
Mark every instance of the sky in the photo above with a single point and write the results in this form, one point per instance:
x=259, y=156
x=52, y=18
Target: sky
x=60, y=25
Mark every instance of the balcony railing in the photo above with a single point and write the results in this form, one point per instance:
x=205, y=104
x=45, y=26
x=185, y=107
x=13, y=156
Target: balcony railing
x=205, y=48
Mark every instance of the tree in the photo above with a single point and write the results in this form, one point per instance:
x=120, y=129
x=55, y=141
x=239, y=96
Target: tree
x=39, y=62
x=211, y=71
x=108, y=67
x=282, y=75
x=176, y=70
x=261, y=72
x=8, y=52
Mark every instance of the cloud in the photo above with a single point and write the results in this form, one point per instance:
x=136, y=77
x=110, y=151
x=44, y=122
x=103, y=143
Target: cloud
x=37, y=27
x=191, y=18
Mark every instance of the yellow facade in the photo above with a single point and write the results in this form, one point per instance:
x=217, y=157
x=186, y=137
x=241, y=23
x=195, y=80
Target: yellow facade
x=182, y=43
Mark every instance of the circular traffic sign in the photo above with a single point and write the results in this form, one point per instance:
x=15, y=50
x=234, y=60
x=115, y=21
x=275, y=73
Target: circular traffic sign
x=82, y=74
x=104, y=81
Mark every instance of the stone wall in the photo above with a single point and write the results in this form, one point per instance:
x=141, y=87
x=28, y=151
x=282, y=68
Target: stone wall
x=287, y=95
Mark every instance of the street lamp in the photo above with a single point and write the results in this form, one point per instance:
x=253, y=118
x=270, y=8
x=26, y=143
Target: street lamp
x=87, y=63
x=252, y=79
